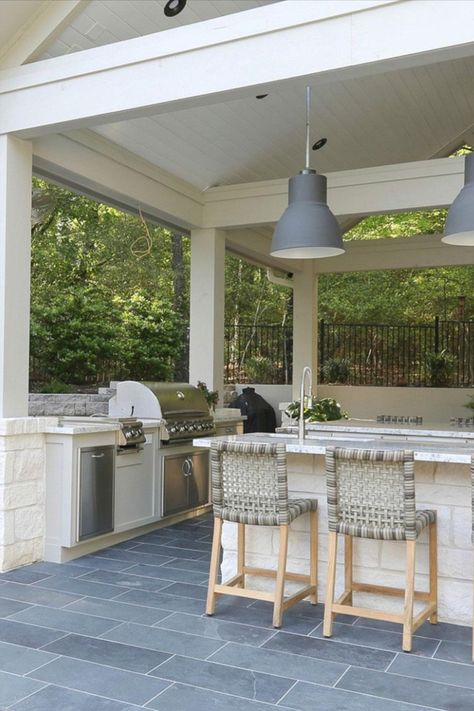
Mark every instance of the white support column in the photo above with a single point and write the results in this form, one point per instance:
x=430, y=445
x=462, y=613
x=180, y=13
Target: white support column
x=305, y=325
x=206, y=341
x=15, y=241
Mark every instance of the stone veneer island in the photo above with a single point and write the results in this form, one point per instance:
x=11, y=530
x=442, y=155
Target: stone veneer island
x=443, y=482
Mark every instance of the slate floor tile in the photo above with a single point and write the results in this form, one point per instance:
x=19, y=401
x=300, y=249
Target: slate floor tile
x=170, y=574
x=187, y=590
x=37, y=596
x=444, y=631
x=55, y=698
x=201, y=566
x=378, y=639
x=13, y=688
x=102, y=651
x=172, y=603
x=408, y=690
x=163, y=640
x=119, y=611
x=167, y=551
x=190, y=698
x=454, y=652
x=23, y=575
x=215, y=629
x=332, y=651
x=218, y=677
x=9, y=607
x=97, y=562
x=309, y=697
x=69, y=570
x=289, y=665
x=134, y=556
x=79, y=586
x=125, y=580
x=27, y=635
x=101, y=680
x=229, y=610
x=21, y=660
x=65, y=620
x=434, y=670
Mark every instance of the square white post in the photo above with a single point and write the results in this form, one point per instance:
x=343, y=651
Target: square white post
x=305, y=325
x=206, y=339
x=15, y=249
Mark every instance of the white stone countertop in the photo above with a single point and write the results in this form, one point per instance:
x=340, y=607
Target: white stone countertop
x=70, y=425
x=428, y=429
x=431, y=449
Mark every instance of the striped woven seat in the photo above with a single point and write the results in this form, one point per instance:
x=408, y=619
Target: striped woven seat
x=250, y=487
x=371, y=494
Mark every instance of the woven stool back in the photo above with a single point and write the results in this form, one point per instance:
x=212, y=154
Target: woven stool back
x=371, y=493
x=249, y=483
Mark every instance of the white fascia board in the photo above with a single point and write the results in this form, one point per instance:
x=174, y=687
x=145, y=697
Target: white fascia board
x=96, y=167
x=43, y=27
x=221, y=59
x=392, y=188
x=417, y=252
x=255, y=248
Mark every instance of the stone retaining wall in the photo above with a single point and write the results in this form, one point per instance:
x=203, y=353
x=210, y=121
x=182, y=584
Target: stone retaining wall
x=83, y=404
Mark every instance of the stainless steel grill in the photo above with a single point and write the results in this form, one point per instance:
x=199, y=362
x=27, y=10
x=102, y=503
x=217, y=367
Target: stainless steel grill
x=181, y=408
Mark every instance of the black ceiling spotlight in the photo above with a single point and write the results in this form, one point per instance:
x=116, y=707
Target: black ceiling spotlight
x=319, y=144
x=261, y=96
x=174, y=7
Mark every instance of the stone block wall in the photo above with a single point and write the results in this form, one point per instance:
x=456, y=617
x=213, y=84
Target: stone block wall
x=22, y=490
x=46, y=404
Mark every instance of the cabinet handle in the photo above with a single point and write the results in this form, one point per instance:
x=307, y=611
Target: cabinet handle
x=187, y=467
x=97, y=456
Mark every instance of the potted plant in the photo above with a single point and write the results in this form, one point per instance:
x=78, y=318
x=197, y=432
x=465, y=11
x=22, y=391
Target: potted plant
x=212, y=396
x=322, y=409
x=440, y=368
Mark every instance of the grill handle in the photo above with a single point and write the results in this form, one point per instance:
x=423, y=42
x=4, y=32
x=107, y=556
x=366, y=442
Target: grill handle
x=187, y=467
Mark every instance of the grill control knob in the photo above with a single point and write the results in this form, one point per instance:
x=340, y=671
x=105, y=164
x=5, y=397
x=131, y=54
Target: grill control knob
x=127, y=434
x=173, y=429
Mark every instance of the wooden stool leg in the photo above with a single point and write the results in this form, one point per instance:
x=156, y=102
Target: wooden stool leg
x=331, y=584
x=348, y=568
x=280, y=578
x=214, y=567
x=241, y=553
x=409, y=596
x=313, y=555
x=433, y=570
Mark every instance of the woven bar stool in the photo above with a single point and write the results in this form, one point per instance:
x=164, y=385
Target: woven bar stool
x=250, y=487
x=371, y=494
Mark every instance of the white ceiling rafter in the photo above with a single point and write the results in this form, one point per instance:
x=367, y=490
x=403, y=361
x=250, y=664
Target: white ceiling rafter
x=356, y=43
x=40, y=29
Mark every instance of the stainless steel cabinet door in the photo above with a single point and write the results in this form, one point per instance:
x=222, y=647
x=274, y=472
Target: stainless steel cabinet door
x=175, y=483
x=199, y=479
x=96, y=491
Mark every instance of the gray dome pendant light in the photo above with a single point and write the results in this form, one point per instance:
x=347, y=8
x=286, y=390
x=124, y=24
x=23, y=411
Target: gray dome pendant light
x=459, y=227
x=307, y=229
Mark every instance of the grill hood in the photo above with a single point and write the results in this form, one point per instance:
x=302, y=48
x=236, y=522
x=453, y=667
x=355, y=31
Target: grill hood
x=158, y=400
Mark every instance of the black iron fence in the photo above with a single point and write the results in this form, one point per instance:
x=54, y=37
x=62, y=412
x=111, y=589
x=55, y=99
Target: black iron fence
x=258, y=354
x=439, y=354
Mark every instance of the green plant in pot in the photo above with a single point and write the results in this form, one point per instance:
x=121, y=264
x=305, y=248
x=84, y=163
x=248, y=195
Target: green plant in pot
x=322, y=409
x=440, y=367
x=212, y=396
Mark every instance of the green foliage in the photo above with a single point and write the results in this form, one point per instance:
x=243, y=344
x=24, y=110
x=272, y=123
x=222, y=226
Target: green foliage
x=337, y=370
x=470, y=403
x=322, y=410
x=440, y=368
x=259, y=369
x=212, y=396
x=56, y=386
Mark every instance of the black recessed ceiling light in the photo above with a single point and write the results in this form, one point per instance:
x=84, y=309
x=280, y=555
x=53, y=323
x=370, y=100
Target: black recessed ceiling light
x=174, y=7
x=319, y=144
x=261, y=96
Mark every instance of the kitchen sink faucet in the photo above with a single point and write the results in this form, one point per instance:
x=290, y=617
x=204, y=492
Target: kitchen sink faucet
x=301, y=423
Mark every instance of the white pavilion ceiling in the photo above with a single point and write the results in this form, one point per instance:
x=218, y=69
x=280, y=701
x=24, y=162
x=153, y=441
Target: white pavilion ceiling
x=405, y=115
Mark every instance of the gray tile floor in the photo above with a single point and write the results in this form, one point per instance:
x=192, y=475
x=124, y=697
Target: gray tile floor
x=124, y=629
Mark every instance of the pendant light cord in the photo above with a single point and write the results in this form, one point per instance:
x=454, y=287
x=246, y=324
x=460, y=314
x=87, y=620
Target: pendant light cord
x=308, y=109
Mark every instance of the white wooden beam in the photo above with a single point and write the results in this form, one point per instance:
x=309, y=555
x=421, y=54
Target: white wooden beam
x=403, y=186
x=255, y=247
x=99, y=168
x=417, y=252
x=41, y=29
x=15, y=241
x=221, y=59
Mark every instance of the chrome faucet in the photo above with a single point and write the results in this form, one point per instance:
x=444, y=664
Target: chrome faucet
x=301, y=423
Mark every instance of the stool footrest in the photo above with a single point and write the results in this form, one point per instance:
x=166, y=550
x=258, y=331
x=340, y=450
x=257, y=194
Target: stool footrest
x=244, y=592
x=267, y=573
x=386, y=590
